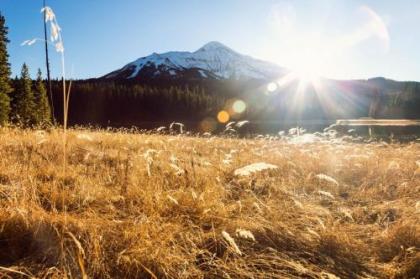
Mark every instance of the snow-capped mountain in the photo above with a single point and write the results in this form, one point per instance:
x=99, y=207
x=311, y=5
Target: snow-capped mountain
x=214, y=61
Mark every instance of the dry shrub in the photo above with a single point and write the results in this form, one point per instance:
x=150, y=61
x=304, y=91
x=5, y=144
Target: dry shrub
x=342, y=253
x=409, y=268
x=27, y=241
x=400, y=248
x=397, y=240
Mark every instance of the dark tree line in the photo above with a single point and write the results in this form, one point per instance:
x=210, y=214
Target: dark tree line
x=116, y=104
x=29, y=101
x=22, y=101
x=148, y=104
x=5, y=72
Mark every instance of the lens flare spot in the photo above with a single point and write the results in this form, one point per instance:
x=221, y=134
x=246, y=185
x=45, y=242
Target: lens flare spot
x=272, y=86
x=239, y=106
x=223, y=116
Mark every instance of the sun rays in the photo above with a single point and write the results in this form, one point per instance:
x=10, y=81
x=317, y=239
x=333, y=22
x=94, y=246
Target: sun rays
x=329, y=45
x=315, y=54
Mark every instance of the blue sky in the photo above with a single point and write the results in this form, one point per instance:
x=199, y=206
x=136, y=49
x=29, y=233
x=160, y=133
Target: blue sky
x=334, y=38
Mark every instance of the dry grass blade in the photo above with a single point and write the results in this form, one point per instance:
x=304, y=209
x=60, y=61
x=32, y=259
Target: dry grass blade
x=231, y=242
x=327, y=178
x=254, y=168
x=80, y=255
x=17, y=272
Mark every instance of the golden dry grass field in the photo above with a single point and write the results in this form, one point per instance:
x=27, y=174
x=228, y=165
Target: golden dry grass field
x=174, y=206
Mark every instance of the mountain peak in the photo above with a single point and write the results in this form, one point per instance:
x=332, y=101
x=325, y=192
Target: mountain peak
x=213, y=60
x=213, y=45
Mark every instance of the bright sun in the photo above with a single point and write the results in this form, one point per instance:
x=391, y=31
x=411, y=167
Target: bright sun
x=311, y=63
x=307, y=69
x=307, y=75
x=310, y=57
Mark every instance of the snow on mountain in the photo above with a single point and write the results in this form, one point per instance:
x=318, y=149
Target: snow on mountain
x=213, y=60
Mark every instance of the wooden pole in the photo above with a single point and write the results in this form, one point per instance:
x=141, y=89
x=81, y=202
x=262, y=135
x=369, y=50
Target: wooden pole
x=47, y=62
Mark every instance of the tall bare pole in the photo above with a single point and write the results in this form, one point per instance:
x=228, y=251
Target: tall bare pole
x=47, y=62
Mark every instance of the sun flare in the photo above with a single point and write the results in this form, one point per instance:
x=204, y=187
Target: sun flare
x=306, y=75
x=312, y=61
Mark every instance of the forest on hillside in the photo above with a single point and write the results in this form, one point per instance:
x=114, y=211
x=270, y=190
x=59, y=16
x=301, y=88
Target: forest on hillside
x=120, y=103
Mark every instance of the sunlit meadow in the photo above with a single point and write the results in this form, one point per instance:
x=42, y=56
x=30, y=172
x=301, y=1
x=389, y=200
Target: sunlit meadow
x=219, y=201
x=153, y=205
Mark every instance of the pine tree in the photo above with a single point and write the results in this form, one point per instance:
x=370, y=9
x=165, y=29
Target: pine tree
x=5, y=87
x=42, y=108
x=24, y=103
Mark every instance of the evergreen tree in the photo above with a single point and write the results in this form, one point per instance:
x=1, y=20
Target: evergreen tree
x=42, y=108
x=24, y=103
x=5, y=87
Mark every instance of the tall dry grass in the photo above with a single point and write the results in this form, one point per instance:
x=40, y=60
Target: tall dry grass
x=167, y=206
